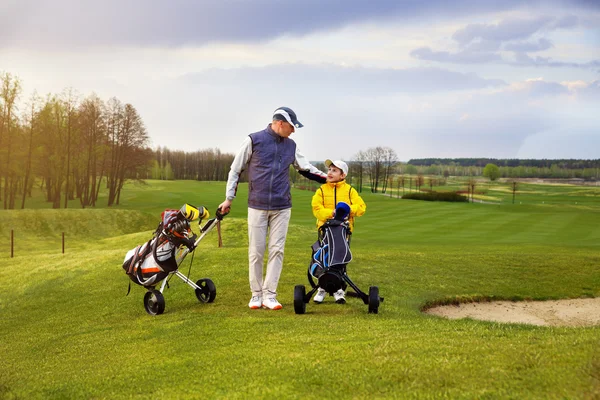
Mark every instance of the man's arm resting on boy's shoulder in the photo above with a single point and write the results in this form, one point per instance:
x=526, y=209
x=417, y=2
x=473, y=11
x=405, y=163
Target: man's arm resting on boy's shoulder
x=308, y=170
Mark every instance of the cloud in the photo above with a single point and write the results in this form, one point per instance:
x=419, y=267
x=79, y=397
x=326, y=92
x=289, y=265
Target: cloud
x=524, y=60
x=506, y=30
x=71, y=24
x=528, y=47
x=461, y=57
x=539, y=87
x=345, y=80
x=568, y=21
x=484, y=43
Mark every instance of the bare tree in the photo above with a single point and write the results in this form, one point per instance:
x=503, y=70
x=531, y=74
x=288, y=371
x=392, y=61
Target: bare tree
x=128, y=137
x=419, y=181
x=70, y=104
x=93, y=137
x=374, y=165
x=390, y=159
x=471, y=183
x=30, y=119
x=9, y=93
x=59, y=115
x=357, y=168
x=401, y=181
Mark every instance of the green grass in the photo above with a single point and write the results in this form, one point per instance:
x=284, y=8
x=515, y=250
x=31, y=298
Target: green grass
x=67, y=330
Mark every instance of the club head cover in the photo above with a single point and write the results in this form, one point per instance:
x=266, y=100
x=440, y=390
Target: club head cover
x=342, y=211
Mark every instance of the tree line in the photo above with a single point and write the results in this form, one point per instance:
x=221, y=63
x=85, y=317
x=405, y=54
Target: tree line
x=513, y=162
x=201, y=165
x=70, y=147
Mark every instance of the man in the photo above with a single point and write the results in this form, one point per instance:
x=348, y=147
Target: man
x=267, y=155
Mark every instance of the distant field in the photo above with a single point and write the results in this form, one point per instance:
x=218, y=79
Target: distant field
x=68, y=331
x=526, y=193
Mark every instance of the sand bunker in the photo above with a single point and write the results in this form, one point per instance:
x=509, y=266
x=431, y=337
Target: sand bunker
x=573, y=312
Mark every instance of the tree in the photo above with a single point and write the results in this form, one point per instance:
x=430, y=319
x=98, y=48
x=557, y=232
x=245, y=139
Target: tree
x=357, y=168
x=92, y=126
x=127, y=138
x=390, y=159
x=10, y=89
x=378, y=163
x=374, y=165
x=471, y=183
x=419, y=181
x=411, y=169
x=491, y=171
x=401, y=181
x=70, y=104
x=29, y=119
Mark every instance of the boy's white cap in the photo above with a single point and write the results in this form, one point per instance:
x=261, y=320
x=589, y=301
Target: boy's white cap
x=338, y=163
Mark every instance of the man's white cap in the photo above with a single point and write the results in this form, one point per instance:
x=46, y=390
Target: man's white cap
x=338, y=163
x=288, y=115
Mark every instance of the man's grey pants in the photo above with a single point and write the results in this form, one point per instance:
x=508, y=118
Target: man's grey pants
x=275, y=224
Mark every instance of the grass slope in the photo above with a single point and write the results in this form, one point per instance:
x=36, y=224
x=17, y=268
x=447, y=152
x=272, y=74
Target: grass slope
x=68, y=331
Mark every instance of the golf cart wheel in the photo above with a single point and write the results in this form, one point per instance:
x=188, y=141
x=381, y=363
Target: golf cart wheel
x=207, y=291
x=299, y=304
x=373, y=300
x=154, y=302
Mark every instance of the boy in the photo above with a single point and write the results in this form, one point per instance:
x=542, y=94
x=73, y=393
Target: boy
x=324, y=203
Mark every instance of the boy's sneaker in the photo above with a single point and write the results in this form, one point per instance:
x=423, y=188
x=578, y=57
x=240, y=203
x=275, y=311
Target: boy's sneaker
x=339, y=297
x=255, y=302
x=320, y=296
x=272, y=304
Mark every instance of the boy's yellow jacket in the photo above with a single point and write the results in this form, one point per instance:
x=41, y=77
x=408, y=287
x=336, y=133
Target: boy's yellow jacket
x=329, y=194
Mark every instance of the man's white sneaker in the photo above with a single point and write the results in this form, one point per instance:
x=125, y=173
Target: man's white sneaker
x=339, y=297
x=255, y=302
x=320, y=296
x=272, y=304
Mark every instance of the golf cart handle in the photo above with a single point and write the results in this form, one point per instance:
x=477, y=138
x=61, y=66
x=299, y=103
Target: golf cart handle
x=220, y=215
x=212, y=222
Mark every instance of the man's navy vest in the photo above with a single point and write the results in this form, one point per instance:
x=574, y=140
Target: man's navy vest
x=268, y=171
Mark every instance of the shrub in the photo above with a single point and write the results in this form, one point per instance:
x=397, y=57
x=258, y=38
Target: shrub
x=436, y=196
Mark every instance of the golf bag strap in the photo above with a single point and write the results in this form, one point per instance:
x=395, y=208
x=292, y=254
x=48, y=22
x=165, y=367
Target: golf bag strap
x=138, y=257
x=170, y=264
x=134, y=260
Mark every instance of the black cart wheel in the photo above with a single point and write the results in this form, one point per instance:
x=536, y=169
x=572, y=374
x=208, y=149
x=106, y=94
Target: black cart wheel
x=299, y=304
x=154, y=302
x=207, y=291
x=373, y=300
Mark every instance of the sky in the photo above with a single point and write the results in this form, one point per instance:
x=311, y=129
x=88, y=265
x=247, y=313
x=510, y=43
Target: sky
x=429, y=79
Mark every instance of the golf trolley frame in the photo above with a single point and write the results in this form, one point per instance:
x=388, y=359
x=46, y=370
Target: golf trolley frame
x=205, y=289
x=332, y=279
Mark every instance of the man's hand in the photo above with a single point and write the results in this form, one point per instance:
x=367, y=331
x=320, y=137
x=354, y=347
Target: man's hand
x=225, y=206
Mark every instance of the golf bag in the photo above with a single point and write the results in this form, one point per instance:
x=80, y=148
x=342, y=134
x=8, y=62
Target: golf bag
x=330, y=256
x=332, y=249
x=153, y=261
